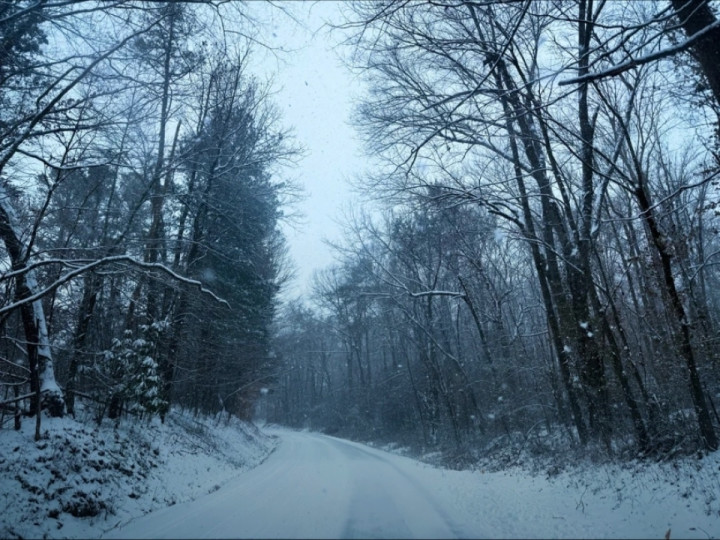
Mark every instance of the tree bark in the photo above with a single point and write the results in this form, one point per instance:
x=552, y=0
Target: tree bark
x=707, y=432
x=40, y=362
x=696, y=15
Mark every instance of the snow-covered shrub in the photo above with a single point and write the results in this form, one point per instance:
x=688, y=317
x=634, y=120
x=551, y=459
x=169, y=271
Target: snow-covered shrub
x=132, y=368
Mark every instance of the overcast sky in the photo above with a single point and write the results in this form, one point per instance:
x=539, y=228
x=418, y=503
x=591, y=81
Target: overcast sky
x=314, y=95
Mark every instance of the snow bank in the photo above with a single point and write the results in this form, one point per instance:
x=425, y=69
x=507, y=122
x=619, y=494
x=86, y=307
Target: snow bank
x=81, y=479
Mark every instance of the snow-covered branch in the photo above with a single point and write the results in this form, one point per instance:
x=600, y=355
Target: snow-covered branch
x=635, y=62
x=16, y=399
x=87, y=266
x=453, y=294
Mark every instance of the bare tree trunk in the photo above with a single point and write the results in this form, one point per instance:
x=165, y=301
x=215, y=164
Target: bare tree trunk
x=87, y=307
x=707, y=432
x=547, y=272
x=40, y=362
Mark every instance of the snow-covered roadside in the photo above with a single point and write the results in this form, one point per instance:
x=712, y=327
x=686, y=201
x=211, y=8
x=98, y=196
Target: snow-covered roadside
x=119, y=474
x=317, y=486
x=79, y=479
x=637, y=499
x=602, y=502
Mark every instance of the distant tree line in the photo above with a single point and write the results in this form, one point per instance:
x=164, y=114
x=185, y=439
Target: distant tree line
x=543, y=267
x=139, y=209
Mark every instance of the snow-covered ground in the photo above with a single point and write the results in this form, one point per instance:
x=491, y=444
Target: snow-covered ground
x=208, y=479
x=316, y=486
x=80, y=480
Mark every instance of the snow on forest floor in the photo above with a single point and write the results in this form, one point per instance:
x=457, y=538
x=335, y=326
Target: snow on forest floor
x=80, y=479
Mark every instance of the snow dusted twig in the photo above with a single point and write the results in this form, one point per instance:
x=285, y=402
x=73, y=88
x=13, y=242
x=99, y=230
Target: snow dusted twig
x=16, y=399
x=87, y=266
x=437, y=293
x=635, y=62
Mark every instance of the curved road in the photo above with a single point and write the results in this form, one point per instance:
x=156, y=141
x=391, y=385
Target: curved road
x=312, y=486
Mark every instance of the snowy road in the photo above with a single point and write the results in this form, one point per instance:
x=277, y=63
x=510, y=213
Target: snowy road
x=315, y=486
x=312, y=486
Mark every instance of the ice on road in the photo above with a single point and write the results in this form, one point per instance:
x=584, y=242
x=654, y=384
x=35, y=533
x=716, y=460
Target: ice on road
x=312, y=486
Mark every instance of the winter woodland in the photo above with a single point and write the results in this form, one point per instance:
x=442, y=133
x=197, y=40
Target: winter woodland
x=534, y=273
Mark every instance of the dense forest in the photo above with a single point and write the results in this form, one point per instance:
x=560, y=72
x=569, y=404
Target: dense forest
x=140, y=204
x=539, y=269
x=536, y=266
